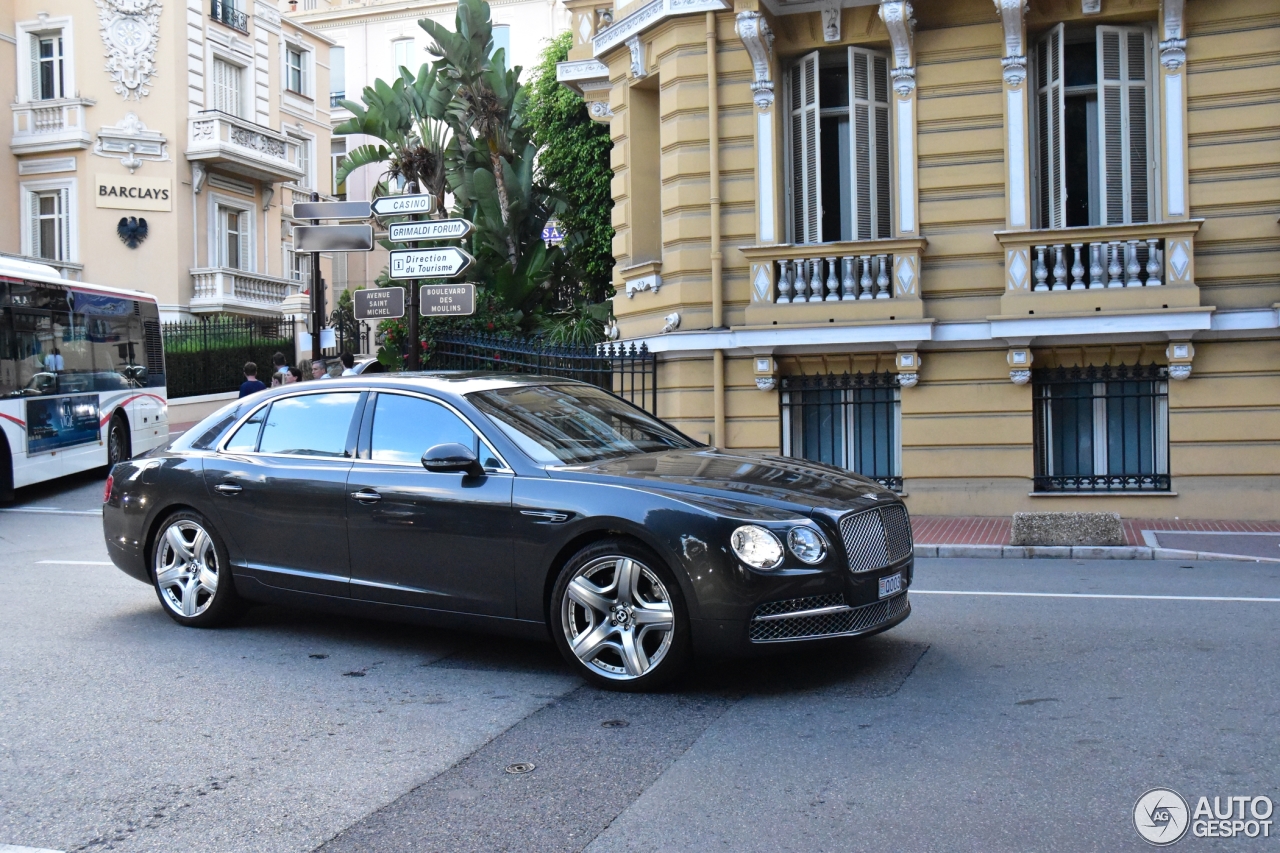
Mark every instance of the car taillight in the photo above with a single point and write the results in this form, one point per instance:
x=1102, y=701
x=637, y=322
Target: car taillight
x=106, y=492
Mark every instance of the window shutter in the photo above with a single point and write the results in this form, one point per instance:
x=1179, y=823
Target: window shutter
x=34, y=220
x=246, y=256
x=1050, y=108
x=869, y=107
x=64, y=224
x=1123, y=121
x=806, y=166
x=36, y=94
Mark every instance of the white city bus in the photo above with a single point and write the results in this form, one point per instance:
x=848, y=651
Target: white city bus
x=81, y=375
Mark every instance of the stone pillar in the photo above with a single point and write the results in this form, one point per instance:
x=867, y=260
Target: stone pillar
x=1018, y=177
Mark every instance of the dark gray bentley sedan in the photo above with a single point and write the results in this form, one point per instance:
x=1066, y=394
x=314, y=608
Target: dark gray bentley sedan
x=526, y=505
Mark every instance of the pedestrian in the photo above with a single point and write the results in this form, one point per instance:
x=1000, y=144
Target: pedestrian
x=53, y=361
x=318, y=371
x=251, y=384
x=348, y=364
x=279, y=367
x=292, y=375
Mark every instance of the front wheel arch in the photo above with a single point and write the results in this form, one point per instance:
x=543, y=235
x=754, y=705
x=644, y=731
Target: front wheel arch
x=120, y=418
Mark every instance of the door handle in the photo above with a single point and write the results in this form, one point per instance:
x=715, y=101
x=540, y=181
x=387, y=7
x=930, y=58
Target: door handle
x=228, y=489
x=367, y=496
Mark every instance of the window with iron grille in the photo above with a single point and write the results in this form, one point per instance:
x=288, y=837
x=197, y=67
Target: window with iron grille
x=850, y=421
x=1101, y=429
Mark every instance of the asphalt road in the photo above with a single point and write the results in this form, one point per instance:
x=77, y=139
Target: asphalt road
x=1028, y=719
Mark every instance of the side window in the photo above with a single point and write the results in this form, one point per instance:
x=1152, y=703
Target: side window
x=406, y=427
x=246, y=438
x=309, y=425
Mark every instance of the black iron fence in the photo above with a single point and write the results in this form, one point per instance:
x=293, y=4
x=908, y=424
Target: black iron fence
x=1102, y=429
x=628, y=370
x=225, y=12
x=208, y=356
x=848, y=420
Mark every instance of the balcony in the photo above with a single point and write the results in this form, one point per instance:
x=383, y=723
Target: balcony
x=1098, y=269
x=820, y=283
x=228, y=15
x=236, y=145
x=53, y=125
x=223, y=290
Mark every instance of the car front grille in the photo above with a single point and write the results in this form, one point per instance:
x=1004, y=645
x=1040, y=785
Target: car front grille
x=821, y=616
x=876, y=538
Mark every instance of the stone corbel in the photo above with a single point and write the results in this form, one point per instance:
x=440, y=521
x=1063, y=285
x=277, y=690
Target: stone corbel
x=1173, y=47
x=641, y=277
x=1180, y=354
x=198, y=175
x=1091, y=7
x=756, y=36
x=1014, y=62
x=831, y=23
x=268, y=192
x=1019, y=359
x=898, y=20
x=671, y=322
x=766, y=372
x=908, y=369
x=637, y=57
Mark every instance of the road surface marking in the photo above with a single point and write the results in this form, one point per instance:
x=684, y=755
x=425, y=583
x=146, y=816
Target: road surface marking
x=1093, y=595
x=13, y=848
x=43, y=511
x=71, y=563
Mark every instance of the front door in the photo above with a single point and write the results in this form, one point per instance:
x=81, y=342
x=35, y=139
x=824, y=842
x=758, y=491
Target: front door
x=426, y=539
x=279, y=488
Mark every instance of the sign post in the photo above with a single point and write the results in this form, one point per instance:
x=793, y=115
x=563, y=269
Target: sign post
x=317, y=295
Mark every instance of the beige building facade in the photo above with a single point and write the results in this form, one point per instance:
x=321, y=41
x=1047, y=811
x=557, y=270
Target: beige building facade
x=1000, y=256
x=203, y=118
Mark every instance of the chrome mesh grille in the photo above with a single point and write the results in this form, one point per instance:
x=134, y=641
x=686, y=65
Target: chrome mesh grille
x=852, y=620
x=876, y=538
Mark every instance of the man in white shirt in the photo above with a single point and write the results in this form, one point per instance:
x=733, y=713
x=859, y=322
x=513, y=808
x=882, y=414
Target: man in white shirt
x=53, y=361
x=348, y=364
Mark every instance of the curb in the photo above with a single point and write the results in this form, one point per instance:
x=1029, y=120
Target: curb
x=1077, y=552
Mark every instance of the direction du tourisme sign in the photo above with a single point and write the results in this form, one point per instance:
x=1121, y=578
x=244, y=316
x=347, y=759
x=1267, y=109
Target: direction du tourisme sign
x=429, y=263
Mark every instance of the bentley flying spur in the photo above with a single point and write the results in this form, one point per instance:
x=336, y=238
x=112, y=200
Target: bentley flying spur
x=527, y=505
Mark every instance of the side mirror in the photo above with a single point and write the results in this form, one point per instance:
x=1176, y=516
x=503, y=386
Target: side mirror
x=447, y=458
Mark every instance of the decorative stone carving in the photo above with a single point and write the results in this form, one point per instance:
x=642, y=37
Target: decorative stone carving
x=604, y=19
x=1091, y=7
x=258, y=142
x=671, y=322
x=831, y=23
x=268, y=192
x=1179, y=371
x=756, y=36
x=611, y=331
x=908, y=380
x=653, y=282
x=1019, y=377
x=908, y=369
x=267, y=14
x=130, y=137
x=601, y=110
x=202, y=130
x=766, y=383
x=1173, y=48
x=637, y=56
x=198, y=174
x=130, y=31
x=898, y=20
x=1014, y=62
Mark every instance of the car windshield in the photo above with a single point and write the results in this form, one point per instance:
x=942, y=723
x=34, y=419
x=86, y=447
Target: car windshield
x=574, y=424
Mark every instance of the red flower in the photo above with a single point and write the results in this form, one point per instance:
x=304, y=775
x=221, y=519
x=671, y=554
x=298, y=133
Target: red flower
x=489, y=326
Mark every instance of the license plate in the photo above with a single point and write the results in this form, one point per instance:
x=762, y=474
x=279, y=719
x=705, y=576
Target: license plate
x=891, y=585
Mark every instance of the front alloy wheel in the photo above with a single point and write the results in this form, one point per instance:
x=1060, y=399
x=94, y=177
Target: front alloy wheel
x=189, y=570
x=620, y=620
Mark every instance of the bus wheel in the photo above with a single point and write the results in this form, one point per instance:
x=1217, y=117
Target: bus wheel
x=118, y=444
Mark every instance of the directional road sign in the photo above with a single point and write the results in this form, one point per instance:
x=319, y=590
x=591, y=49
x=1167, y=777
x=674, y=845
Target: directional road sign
x=332, y=238
x=436, y=300
x=331, y=210
x=403, y=205
x=434, y=229
x=429, y=263
x=383, y=303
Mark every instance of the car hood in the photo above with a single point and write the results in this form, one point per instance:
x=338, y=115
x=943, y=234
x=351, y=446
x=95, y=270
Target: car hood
x=783, y=483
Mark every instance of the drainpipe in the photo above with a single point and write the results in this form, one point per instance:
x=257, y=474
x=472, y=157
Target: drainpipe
x=717, y=284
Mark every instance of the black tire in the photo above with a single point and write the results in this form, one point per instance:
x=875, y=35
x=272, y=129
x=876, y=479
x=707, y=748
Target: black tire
x=6, y=471
x=663, y=652
x=174, y=586
x=119, y=442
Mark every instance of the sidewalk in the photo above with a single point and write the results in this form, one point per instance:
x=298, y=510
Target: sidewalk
x=1145, y=539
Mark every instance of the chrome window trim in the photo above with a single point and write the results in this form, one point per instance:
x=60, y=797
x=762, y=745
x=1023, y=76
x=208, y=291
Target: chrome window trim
x=504, y=469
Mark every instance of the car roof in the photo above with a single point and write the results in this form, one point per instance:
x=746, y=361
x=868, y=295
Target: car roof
x=447, y=381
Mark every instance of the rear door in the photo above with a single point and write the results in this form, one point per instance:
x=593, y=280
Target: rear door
x=422, y=538
x=279, y=486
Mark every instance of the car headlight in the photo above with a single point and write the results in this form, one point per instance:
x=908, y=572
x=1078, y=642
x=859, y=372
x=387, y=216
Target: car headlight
x=807, y=544
x=756, y=546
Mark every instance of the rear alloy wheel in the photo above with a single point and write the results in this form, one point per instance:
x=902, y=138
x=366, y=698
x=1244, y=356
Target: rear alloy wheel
x=189, y=566
x=118, y=449
x=619, y=618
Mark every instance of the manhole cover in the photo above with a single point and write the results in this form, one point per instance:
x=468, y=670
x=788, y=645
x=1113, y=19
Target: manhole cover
x=615, y=724
x=520, y=767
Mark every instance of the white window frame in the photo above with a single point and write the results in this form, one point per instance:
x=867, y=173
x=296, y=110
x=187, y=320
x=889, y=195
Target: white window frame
x=249, y=232
x=333, y=160
x=410, y=46
x=29, y=190
x=242, y=70
x=306, y=70
x=306, y=147
x=334, y=64
x=1154, y=119
x=507, y=47
x=26, y=30
x=807, y=119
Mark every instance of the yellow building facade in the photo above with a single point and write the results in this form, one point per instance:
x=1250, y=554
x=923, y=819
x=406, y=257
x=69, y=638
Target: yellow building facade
x=204, y=118
x=1001, y=256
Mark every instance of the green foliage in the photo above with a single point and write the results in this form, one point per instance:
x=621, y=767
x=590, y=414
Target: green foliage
x=579, y=326
x=489, y=318
x=573, y=161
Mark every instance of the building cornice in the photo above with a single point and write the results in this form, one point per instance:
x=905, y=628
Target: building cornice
x=648, y=16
